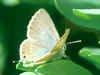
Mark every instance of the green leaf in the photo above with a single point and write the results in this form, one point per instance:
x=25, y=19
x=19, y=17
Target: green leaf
x=61, y=67
x=92, y=55
x=83, y=19
x=27, y=73
x=81, y=14
x=20, y=66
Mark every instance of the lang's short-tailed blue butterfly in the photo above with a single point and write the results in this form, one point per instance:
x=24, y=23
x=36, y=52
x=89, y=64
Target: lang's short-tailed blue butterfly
x=43, y=42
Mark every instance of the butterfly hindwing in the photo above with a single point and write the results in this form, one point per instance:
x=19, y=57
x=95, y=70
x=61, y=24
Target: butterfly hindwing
x=32, y=51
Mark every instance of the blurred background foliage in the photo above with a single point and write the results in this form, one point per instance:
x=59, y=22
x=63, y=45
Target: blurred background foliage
x=14, y=17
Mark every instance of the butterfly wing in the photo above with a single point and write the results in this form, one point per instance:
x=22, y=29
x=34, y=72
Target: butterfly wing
x=42, y=36
x=32, y=51
x=58, y=51
x=42, y=28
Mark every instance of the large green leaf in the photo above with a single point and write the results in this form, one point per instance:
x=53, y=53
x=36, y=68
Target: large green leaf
x=27, y=73
x=66, y=8
x=92, y=55
x=61, y=67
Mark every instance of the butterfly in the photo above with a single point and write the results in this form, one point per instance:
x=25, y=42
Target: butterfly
x=43, y=42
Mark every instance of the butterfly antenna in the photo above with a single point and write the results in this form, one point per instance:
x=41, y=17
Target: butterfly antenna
x=14, y=61
x=78, y=41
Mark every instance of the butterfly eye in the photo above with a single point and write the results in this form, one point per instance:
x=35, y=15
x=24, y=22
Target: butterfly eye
x=24, y=57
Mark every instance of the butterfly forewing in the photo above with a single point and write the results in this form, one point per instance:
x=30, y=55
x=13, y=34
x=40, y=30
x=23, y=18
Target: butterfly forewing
x=42, y=28
x=42, y=36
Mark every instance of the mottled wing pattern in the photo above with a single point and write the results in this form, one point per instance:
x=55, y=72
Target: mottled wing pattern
x=32, y=51
x=42, y=36
x=42, y=28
